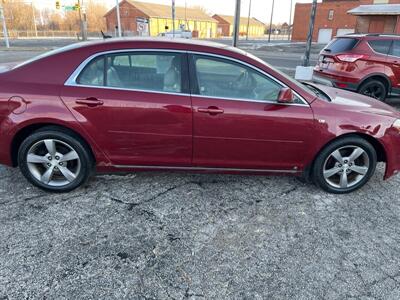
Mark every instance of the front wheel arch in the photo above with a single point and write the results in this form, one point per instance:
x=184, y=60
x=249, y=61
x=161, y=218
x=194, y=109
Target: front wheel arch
x=379, y=149
x=23, y=133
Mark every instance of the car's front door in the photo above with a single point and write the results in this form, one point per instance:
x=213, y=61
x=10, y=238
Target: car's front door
x=238, y=122
x=136, y=106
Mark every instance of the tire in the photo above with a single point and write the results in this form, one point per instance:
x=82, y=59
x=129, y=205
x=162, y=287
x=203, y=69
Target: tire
x=358, y=170
x=55, y=172
x=374, y=88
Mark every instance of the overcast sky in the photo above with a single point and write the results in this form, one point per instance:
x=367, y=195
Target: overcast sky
x=261, y=9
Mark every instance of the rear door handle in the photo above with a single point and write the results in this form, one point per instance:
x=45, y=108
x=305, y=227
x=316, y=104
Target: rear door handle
x=211, y=110
x=91, y=102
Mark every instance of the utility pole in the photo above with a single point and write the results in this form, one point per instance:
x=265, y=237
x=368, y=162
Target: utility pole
x=34, y=19
x=118, y=20
x=3, y=19
x=270, y=23
x=83, y=20
x=248, y=22
x=237, y=24
x=84, y=24
x=306, y=61
x=290, y=20
x=173, y=18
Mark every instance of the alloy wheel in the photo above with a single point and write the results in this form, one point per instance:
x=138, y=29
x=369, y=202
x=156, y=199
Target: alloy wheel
x=53, y=162
x=374, y=91
x=346, y=167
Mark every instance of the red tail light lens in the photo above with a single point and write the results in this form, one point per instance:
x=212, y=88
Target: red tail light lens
x=351, y=57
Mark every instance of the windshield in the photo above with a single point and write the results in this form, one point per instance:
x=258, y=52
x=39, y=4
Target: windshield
x=319, y=93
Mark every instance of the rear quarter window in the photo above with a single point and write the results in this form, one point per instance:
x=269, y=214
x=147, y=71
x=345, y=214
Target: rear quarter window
x=380, y=46
x=339, y=45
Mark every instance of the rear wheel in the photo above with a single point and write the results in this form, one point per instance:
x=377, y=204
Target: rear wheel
x=374, y=88
x=345, y=165
x=55, y=161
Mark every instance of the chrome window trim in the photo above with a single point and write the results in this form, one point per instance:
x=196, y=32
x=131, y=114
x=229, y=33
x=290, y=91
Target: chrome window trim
x=71, y=81
x=294, y=171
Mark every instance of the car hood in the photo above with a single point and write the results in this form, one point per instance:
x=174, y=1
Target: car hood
x=357, y=102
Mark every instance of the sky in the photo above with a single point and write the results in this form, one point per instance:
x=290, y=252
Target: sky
x=261, y=9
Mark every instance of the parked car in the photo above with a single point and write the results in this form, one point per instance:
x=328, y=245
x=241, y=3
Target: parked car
x=365, y=63
x=157, y=104
x=183, y=34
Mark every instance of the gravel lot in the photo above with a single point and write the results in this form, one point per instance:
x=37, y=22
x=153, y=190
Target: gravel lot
x=185, y=236
x=188, y=236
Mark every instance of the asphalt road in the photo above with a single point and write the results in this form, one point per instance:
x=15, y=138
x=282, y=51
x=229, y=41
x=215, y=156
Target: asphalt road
x=280, y=54
x=188, y=236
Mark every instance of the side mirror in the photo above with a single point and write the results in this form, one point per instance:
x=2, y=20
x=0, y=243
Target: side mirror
x=286, y=96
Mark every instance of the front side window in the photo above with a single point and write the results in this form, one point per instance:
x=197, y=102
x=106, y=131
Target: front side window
x=160, y=72
x=225, y=79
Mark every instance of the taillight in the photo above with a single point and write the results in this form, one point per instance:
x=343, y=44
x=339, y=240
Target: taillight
x=351, y=57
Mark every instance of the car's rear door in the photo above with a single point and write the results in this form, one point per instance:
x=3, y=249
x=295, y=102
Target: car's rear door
x=136, y=105
x=238, y=123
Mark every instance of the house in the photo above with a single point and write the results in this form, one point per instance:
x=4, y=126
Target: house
x=225, y=26
x=333, y=18
x=149, y=19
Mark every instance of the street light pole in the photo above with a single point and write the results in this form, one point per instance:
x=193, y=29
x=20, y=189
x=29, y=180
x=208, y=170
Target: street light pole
x=34, y=19
x=118, y=19
x=290, y=20
x=248, y=22
x=306, y=61
x=3, y=19
x=173, y=18
x=237, y=24
x=270, y=23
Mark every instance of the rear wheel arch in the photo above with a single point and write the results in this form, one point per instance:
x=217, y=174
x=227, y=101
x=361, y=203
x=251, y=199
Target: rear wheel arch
x=23, y=133
x=381, y=77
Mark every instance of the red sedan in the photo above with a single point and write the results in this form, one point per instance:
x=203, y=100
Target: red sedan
x=147, y=104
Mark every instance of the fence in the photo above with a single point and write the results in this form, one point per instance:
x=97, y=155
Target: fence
x=31, y=34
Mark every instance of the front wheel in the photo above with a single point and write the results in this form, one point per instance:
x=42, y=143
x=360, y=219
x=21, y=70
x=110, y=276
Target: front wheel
x=345, y=165
x=54, y=160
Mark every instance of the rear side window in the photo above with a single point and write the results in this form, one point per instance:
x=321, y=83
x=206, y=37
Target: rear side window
x=93, y=73
x=381, y=46
x=341, y=45
x=395, y=49
x=160, y=72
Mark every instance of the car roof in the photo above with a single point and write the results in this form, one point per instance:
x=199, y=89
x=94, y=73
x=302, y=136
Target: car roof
x=114, y=42
x=370, y=36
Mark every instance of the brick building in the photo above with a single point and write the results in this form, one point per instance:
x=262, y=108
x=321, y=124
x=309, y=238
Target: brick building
x=225, y=26
x=333, y=18
x=149, y=19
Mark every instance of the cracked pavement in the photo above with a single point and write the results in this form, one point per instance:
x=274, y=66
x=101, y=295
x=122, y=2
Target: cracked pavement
x=191, y=236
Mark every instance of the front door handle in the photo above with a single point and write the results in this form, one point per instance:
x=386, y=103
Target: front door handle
x=212, y=110
x=91, y=102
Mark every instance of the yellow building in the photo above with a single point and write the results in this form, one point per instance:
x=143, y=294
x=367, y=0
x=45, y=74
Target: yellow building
x=225, y=26
x=142, y=18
